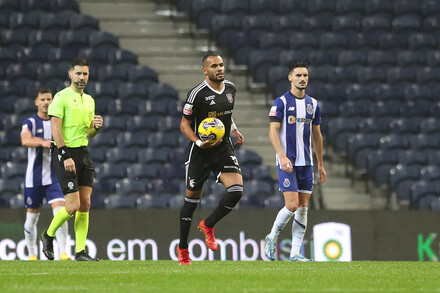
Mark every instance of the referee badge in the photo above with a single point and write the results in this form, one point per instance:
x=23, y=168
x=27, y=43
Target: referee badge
x=230, y=98
x=286, y=183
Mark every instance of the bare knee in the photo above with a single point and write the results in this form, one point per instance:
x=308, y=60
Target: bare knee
x=292, y=206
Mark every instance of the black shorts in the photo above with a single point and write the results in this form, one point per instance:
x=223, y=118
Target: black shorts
x=200, y=163
x=85, y=173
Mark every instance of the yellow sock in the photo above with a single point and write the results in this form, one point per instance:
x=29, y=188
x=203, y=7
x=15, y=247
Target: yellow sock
x=81, y=230
x=60, y=218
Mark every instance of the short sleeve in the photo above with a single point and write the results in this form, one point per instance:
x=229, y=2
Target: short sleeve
x=317, y=118
x=26, y=127
x=56, y=108
x=277, y=110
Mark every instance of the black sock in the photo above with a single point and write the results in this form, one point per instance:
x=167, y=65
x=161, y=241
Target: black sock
x=226, y=204
x=186, y=214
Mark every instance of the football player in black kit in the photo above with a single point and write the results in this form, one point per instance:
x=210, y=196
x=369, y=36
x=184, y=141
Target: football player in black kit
x=214, y=97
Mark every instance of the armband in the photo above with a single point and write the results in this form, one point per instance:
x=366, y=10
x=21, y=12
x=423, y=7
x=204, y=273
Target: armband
x=63, y=154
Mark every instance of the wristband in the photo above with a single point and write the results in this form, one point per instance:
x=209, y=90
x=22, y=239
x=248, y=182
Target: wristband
x=97, y=129
x=63, y=154
x=233, y=126
x=198, y=142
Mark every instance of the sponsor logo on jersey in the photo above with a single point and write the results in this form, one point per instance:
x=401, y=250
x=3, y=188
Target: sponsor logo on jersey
x=70, y=185
x=40, y=130
x=291, y=109
x=273, y=111
x=212, y=103
x=218, y=114
x=212, y=114
x=286, y=183
x=209, y=98
x=291, y=119
x=230, y=98
x=192, y=183
x=309, y=109
x=187, y=109
x=303, y=120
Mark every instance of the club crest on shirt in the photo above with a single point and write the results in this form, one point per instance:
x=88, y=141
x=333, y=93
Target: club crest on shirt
x=286, y=183
x=230, y=98
x=309, y=109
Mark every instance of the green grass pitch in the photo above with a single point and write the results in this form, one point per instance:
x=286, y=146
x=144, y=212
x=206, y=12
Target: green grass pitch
x=218, y=276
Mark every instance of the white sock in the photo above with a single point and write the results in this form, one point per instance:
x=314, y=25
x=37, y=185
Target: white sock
x=299, y=227
x=61, y=233
x=30, y=232
x=281, y=221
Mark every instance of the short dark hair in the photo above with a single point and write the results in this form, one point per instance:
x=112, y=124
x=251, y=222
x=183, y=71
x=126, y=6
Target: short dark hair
x=42, y=90
x=296, y=64
x=207, y=55
x=79, y=61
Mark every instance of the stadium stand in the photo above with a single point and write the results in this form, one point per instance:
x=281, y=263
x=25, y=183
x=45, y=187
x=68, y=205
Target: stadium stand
x=373, y=63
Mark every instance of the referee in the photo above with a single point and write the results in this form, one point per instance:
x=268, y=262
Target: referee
x=73, y=120
x=214, y=97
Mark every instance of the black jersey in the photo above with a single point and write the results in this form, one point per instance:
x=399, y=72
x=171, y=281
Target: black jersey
x=203, y=102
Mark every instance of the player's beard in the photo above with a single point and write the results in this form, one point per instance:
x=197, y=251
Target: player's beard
x=80, y=87
x=214, y=78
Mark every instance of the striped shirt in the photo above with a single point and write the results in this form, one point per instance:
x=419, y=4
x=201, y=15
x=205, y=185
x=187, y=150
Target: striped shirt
x=296, y=116
x=39, y=171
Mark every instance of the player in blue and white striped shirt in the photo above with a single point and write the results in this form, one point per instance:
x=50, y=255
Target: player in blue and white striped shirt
x=40, y=179
x=295, y=120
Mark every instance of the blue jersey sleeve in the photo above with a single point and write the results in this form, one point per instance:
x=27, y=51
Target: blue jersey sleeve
x=27, y=126
x=277, y=110
x=317, y=118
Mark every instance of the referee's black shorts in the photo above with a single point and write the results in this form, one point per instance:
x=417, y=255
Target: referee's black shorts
x=85, y=173
x=201, y=162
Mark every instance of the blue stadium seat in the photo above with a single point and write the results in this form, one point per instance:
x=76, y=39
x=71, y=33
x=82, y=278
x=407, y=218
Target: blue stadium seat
x=203, y=10
x=422, y=188
x=128, y=90
x=379, y=158
x=390, y=41
x=261, y=173
x=162, y=91
x=406, y=7
x=103, y=40
x=432, y=58
x=289, y=6
x=251, y=202
x=303, y=41
x=142, y=123
x=13, y=170
x=99, y=55
x=402, y=173
x=122, y=56
x=13, y=38
x=111, y=170
x=412, y=157
x=332, y=40
x=369, y=75
x=24, y=106
x=152, y=155
x=143, y=171
x=404, y=126
x=72, y=39
x=169, y=124
x=9, y=5
x=116, y=201
x=128, y=187
x=54, y=23
x=430, y=126
x=117, y=155
x=375, y=125
x=171, y=171
x=246, y=172
x=159, y=186
x=321, y=6
x=381, y=58
x=274, y=41
x=113, y=74
x=64, y=5
x=81, y=22
x=32, y=56
x=256, y=24
x=429, y=202
x=409, y=58
x=127, y=107
x=347, y=23
x=19, y=156
x=431, y=24
x=359, y=108
x=156, y=107
x=176, y=202
x=128, y=140
x=287, y=23
x=247, y=157
x=394, y=142
x=25, y=21
x=257, y=188
x=416, y=109
x=148, y=201
x=425, y=142
x=428, y=75
x=347, y=58
x=274, y=202
x=209, y=202
x=8, y=56
x=359, y=143
x=406, y=23
x=228, y=7
x=422, y=41
x=376, y=24
x=263, y=6
x=11, y=186
x=349, y=7
x=20, y=72
x=259, y=61
x=142, y=74
x=430, y=172
x=35, y=5
x=430, y=8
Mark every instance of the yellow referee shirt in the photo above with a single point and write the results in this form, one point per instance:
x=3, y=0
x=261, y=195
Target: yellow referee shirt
x=77, y=112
